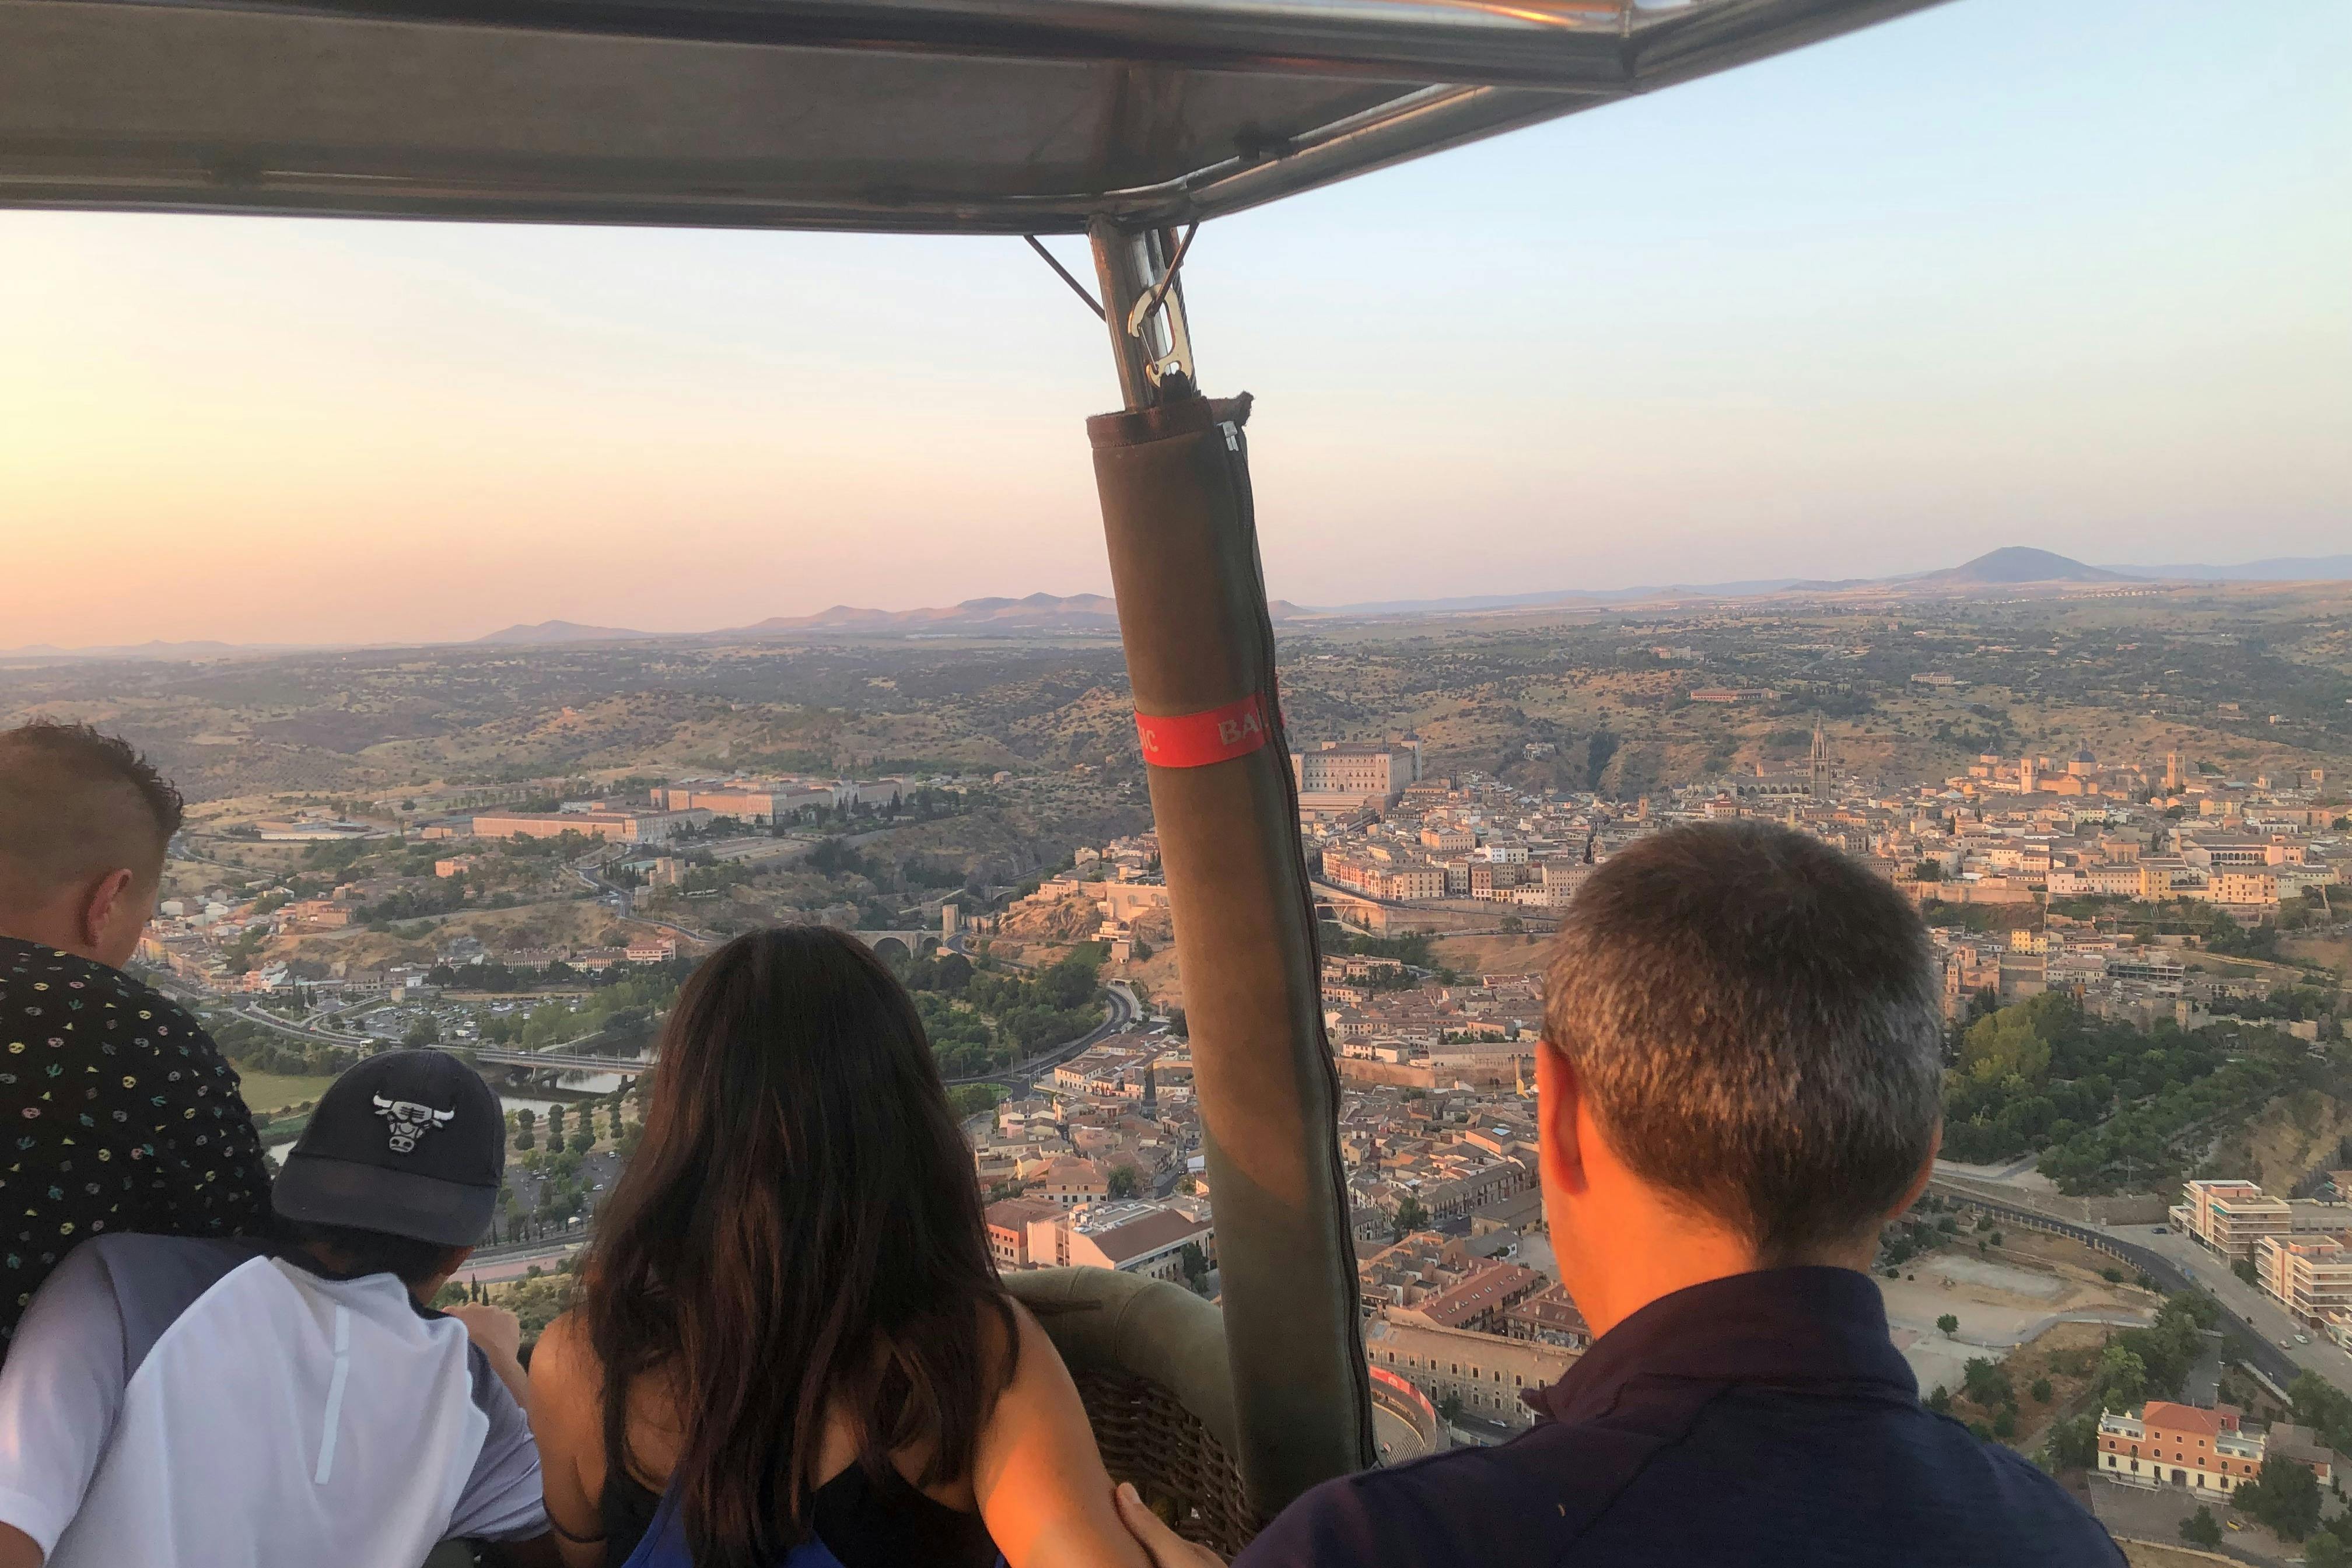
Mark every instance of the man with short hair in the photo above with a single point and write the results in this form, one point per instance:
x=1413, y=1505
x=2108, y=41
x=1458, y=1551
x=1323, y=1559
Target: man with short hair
x=1739, y=1079
x=281, y=1404
x=116, y=1110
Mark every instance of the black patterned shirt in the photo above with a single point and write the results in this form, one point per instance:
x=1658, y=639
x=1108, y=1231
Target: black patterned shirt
x=117, y=1113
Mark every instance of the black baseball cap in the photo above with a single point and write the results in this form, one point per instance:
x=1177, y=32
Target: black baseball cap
x=410, y=1143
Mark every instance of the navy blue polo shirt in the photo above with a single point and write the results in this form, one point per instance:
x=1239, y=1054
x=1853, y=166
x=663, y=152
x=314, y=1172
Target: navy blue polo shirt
x=1765, y=1419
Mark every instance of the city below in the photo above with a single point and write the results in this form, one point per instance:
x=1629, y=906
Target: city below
x=2121, y=811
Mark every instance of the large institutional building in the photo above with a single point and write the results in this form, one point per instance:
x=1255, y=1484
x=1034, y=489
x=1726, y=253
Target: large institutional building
x=622, y=826
x=765, y=800
x=1344, y=773
x=2203, y=1450
x=1486, y=1373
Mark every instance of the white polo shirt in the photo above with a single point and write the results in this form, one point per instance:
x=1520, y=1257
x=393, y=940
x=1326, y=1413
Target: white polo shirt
x=169, y=1400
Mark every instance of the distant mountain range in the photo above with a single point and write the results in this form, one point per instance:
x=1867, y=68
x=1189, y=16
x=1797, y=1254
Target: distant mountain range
x=2013, y=566
x=547, y=634
x=2278, y=569
x=1037, y=613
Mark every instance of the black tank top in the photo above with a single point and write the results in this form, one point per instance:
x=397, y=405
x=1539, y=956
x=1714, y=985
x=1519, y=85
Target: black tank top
x=865, y=1522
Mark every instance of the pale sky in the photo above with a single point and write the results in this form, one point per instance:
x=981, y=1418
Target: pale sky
x=2006, y=272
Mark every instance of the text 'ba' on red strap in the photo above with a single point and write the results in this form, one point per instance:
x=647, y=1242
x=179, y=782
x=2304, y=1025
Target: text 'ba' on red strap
x=1197, y=740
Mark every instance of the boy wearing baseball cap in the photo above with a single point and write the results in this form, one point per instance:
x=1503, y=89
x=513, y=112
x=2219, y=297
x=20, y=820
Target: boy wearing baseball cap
x=179, y=1400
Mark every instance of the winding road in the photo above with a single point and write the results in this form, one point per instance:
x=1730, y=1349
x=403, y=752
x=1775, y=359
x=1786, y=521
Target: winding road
x=2260, y=1323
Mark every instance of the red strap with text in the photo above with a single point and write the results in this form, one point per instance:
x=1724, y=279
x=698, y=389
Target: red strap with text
x=1197, y=740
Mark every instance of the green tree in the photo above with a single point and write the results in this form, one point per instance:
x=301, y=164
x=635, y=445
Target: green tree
x=555, y=1126
x=526, y=1135
x=1949, y=1325
x=1410, y=1215
x=2015, y=1042
x=1123, y=1182
x=2202, y=1528
x=2004, y=1424
x=1939, y=1400
x=2072, y=1445
x=1986, y=1382
x=2326, y=1548
x=2042, y=1390
x=2284, y=1495
x=968, y=1099
x=2122, y=1379
x=2317, y=1403
x=1195, y=1264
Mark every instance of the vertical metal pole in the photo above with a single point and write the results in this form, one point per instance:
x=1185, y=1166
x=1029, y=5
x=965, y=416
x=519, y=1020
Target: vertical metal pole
x=1155, y=361
x=1177, y=513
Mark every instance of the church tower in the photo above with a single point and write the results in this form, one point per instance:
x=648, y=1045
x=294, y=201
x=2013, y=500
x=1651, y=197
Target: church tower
x=1821, y=765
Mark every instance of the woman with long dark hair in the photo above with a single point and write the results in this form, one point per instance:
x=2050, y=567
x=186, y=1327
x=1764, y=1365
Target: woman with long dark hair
x=790, y=1345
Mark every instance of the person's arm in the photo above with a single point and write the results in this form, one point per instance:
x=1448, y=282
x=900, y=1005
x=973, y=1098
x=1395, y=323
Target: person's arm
x=60, y=1395
x=498, y=1334
x=503, y=1504
x=567, y=1390
x=1038, y=1477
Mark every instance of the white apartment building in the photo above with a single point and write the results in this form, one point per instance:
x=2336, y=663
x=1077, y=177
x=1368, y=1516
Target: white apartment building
x=2310, y=1276
x=2232, y=1216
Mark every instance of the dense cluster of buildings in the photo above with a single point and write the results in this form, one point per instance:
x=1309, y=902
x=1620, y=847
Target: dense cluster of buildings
x=1479, y=1030
x=1102, y=1167
x=1469, y=846
x=2050, y=837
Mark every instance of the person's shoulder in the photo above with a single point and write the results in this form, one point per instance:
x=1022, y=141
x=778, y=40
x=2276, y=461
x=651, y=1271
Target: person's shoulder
x=2044, y=1510
x=137, y=1286
x=567, y=1381
x=34, y=971
x=1514, y=1502
x=133, y=1255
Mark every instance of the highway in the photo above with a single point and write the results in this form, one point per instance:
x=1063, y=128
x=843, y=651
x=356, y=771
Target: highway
x=558, y=1060
x=1022, y=1076
x=255, y=1013
x=2252, y=1307
x=2180, y=1268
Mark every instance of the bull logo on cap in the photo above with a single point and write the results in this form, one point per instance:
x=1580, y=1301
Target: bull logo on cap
x=410, y=1120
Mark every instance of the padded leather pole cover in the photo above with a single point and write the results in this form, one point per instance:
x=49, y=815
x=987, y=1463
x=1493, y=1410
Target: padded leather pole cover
x=1192, y=609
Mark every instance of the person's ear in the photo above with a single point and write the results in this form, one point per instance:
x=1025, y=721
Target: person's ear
x=1559, y=1094
x=104, y=907
x=1920, y=1178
